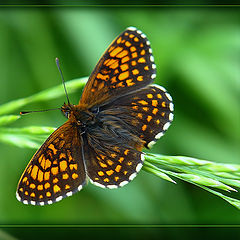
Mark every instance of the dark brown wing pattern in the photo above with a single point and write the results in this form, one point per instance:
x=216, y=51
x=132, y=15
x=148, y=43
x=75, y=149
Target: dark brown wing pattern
x=126, y=66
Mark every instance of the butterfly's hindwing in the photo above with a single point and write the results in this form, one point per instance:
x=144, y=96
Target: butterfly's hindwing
x=114, y=166
x=146, y=113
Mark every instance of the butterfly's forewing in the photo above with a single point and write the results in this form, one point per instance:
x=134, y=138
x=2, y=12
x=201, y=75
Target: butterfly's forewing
x=56, y=170
x=146, y=113
x=126, y=66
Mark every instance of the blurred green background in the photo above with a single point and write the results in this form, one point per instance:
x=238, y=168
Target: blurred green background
x=197, y=53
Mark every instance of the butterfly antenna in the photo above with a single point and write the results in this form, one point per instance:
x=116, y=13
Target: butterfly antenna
x=58, y=65
x=27, y=112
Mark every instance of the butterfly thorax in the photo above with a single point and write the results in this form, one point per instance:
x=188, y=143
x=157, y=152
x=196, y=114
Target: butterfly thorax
x=79, y=115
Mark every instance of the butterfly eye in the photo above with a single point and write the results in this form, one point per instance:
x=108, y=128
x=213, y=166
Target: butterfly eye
x=95, y=110
x=67, y=114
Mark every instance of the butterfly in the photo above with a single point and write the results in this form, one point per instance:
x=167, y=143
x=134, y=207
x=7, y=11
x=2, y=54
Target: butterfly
x=120, y=112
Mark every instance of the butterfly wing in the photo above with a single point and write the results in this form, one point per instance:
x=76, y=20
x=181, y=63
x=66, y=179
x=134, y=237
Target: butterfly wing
x=111, y=165
x=56, y=170
x=146, y=113
x=126, y=66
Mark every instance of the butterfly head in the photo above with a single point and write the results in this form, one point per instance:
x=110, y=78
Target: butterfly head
x=79, y=115
x=66, y=109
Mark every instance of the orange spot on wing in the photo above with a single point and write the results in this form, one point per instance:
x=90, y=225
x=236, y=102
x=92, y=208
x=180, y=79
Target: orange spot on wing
x=127, y=44
x=110, y=162
x=100, y=173
x=46, y=176
x=74, y=176
x=67, y=186
x=69, y=156
x=154, y=111
x=24, y=179
x=125, y=59
x=123, y=75
x=29, y=169
x=40, y=175
x=32, y=194
x=113, y=155
x=134, y=55
x=56, y=188
x=54, y=170
x=133, y=49
x=118, y=168
x=136, y=39
x=106, y=179
x=34, y=172
x=48, y=194
x=63, y=166
x=144, y=127
x=134, y=63
x=143, y=102
x=154, y=103
x=130, y=82
x=157, y=121
x=103, y=164
x=110, y=172
x=149, y=95
x=141, y=60
x=65, y=176
x=163, y=104
x=62, y=155
x=145, y=109
x=119, y=40
x=124, y=67
x=121, y=159
x=47, y=164
x=55, y=180
x=126, y=151
x=135, y=71
x=73, y=166
x=142, y=52
x=111, y=48
x=32, y=185
x=102, y=77
x=113, y=79
x=47, y=185
x=140, y=78
x=122, y=54
x=146, y=68
x=149, y=118
x=101, y=85
x=115, y=51
x=113, y=66
x=51, y=146
x=116, y=179
x=131, y=35
x=139, y=115
x=40, y=187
